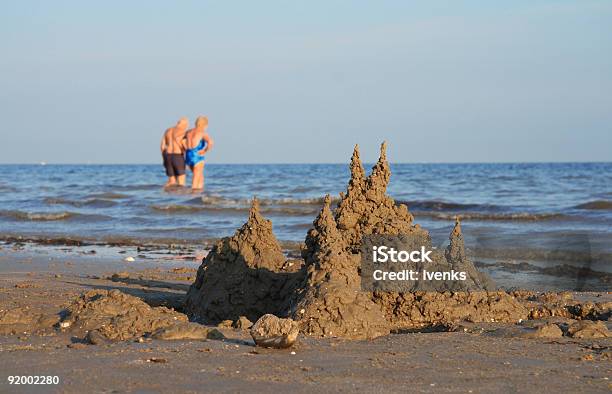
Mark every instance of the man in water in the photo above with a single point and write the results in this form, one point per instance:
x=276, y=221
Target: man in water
x=173, y=150
x=198, y=142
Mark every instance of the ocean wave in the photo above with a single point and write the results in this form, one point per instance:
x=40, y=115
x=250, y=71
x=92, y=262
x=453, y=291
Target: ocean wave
x=296, y=201
x=177, y=208
x=560, y=270
x=298, y=226
x=434, y=205
x=221, y=201
x=218, y=201
x=135, y=187
x=109, y=196
x=596, y=205
x=92, y=202
x=481, y=216
x=437, y=210
x=187, y=209
x=49, y=216
x=575, y=256
x=7, y=189
x=299, y=189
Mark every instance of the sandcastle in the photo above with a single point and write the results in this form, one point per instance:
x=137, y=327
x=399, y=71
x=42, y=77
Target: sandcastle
x=246, y=275
x=330, y=300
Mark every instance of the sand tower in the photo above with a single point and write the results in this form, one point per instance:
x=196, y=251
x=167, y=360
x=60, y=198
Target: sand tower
x=242, y=275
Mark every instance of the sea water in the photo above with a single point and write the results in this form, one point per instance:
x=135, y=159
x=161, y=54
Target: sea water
x=539, y=213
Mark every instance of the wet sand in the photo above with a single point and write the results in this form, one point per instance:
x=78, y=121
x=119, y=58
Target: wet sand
x=477, y=358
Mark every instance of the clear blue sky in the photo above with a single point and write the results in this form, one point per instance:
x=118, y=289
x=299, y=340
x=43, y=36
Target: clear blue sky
x=288, y=81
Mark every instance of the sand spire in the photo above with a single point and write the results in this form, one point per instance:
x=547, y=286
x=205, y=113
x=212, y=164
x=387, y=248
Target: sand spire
x=377, y=182
x=256, y=241
x=456, y=258
x=456, y=249
x=357, y=181
x=322, y=235
x=240, y=276
x=329, y=301
x=367, y=209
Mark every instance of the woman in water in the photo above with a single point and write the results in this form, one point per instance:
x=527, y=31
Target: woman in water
x=198, y=142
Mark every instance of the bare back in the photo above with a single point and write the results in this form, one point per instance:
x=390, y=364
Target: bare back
x=173, y=138
x=193, y=137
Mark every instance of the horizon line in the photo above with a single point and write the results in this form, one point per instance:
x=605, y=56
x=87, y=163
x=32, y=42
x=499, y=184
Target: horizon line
x=43, y=163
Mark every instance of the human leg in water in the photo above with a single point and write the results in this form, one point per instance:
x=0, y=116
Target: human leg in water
x=201, y=185
x=169, y=171
x=171, y=182
x=197, y=183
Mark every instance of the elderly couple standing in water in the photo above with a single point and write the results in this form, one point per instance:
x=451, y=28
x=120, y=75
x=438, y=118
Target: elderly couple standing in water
x=181, y=147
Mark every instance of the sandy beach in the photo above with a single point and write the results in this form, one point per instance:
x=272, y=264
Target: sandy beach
x=478, y=357
x=125, y=316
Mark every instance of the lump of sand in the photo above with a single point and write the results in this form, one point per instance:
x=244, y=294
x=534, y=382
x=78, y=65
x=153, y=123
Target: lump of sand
x=588, y=329
x=416, y=310
x=22, y=320
x=187, y=331
x=551, y=304
x=117, y=316
x=546, y=330
x=242, y=323
x=274, y=332
x=242, y=275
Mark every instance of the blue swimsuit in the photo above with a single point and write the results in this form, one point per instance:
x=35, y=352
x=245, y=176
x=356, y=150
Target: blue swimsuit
x=192, y=157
